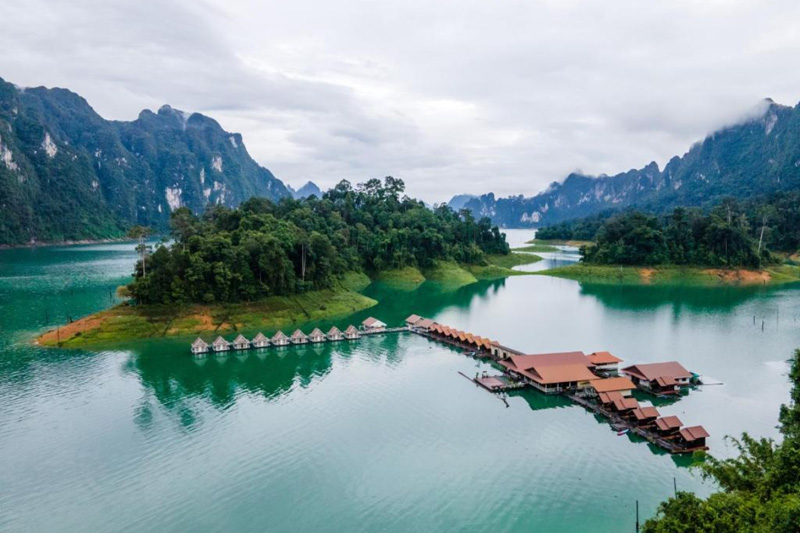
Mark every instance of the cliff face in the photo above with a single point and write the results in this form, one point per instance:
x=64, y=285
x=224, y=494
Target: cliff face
x=68, y=174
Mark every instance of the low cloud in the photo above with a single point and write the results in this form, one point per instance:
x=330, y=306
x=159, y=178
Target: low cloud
x=451, y=96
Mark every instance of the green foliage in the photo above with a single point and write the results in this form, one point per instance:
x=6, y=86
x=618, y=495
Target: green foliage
x=722, y=238
x=760, y=486
x=263, y=249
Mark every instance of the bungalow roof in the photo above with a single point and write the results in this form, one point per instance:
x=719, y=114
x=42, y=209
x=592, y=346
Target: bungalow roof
x=260, y=337
x=413, y=319
x=666, y=381
x=298, y=334
x=219, y=340
x=240, y=339
x=373, y=322
x=351, y=329
x=199, y=342
x=317, y=333
x=643, y=413
x=694, y=433
x=625, y=404
x=334, y=331
x=603, y=358
x=425, y=323
x=552, y=374
x=548, y=359
x=668, y=422
x=279, y=336
x=653, y=371
x=609, y=397
x=613, y=384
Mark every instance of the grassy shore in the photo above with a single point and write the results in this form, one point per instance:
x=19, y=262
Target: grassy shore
x=675, y=275
x=125, y=322
x=537, y=248
x=558, y=242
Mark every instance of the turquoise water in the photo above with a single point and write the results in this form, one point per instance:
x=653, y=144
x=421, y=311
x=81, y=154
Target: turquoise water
x=381, y=434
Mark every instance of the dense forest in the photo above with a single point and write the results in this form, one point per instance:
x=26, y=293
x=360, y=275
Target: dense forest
x=686, y=237
x=760, y=486
x=691, y=237
x=263, y=248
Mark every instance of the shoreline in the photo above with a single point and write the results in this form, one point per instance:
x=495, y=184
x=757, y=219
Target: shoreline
x=50, y=244
x=125, y=322
x=675, y=275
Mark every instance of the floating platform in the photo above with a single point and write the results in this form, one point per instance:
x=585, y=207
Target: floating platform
x=498, y=383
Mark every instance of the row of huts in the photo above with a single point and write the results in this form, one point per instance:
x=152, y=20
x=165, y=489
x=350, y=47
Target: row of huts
x=220, y=344
x=647, y=418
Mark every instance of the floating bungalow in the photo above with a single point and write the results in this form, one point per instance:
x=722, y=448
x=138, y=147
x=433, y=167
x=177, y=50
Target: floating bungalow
x=298, y=337
x=668, y=426
x=608, y=398
x=351, y=333
x=316, y=336
x=241, y=343
x=220, y=345
x=624, y=406
x=622, y=385
x=659, y=378
x=280, y=339
x=199, y=346
x=373, y=325
x=693, y=438
x=604, y=363
x=645, y=416
x=412, y=319
x=334, y=334
x=551, y=373
x=260, y=341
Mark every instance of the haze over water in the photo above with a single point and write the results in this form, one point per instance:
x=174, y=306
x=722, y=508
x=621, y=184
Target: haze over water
x=380, y=434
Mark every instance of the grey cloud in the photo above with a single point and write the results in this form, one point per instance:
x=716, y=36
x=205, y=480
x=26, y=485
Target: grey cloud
x=451, y=96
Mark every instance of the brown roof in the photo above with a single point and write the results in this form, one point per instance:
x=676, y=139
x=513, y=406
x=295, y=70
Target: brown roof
x=626, y=403
x=613, y=384
x=425, y=323
x=609, y=397
x=372, y=321
x=548, y=359
x=666, y=381
x=603, y=358
x=694, y=433
x=317, y=333
x=413, y=319
x=551, y=374
x=643, y=413
x=668, y=422
x=652, y=371
x=334, y=331
x=298, y=334
x=351, y=329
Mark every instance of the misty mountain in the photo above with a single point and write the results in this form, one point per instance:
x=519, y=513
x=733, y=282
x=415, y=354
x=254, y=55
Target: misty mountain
x=759, y=156
x=68, y=174
x=309, y=189
x=458, y=201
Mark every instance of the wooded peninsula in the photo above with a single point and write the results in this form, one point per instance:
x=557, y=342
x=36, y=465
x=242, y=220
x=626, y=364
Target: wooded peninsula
x=270, y=265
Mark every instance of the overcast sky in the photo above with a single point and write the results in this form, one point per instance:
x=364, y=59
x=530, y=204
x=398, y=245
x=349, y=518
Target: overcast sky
x=451, y=96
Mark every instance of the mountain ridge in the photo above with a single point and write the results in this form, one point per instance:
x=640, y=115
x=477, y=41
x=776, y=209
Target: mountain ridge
x=760, y=155
x=68, y=174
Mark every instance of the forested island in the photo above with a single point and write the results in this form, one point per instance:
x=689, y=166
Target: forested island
x=271, y=264
x=730, y=243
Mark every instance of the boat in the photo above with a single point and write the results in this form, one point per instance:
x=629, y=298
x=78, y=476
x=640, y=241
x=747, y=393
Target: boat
x=624, y=431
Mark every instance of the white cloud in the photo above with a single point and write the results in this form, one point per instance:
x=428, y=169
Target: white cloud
x=451, y=96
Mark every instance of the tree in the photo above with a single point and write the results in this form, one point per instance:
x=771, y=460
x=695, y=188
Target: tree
x=140, y=233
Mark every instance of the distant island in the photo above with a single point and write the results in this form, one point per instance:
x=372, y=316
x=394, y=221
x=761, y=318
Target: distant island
x=268, y=265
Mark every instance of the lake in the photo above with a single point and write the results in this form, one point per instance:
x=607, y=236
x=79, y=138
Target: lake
x=382, y=434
